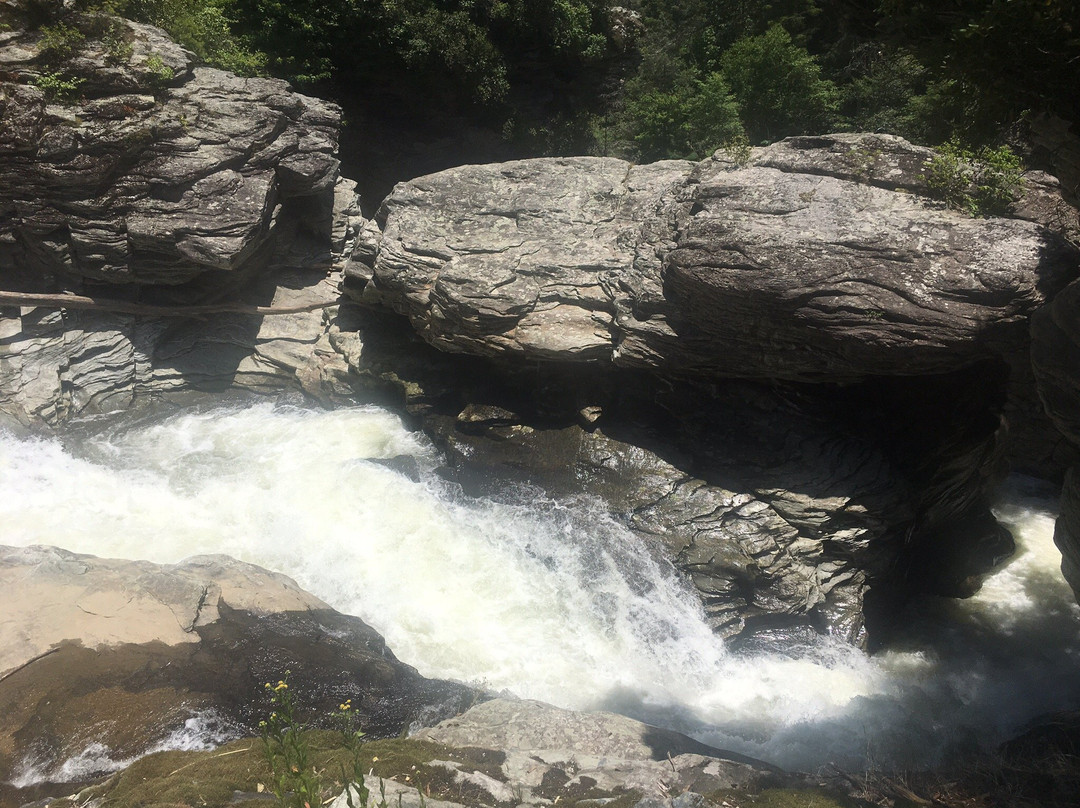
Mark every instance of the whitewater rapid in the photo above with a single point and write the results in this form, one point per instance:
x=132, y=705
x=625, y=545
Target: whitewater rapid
x=552, y=600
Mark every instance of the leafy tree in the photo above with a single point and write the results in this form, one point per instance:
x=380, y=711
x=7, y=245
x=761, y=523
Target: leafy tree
x=779, y=87
x=202, y=26
x=1014, y=54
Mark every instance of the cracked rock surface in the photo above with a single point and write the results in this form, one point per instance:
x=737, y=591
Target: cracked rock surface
x=817, y=260
x=148, y=177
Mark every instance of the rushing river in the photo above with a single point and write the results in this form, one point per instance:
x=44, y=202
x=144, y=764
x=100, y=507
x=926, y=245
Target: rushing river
x=549, y=600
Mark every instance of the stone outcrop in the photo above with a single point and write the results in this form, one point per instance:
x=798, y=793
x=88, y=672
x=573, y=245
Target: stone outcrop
x=889, y=321
x=103, y=660
x=161, y=171
x=1055, y=355
x=160, y=182
x=816, y=260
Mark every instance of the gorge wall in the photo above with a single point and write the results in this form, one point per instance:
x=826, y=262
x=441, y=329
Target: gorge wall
x=792, y=368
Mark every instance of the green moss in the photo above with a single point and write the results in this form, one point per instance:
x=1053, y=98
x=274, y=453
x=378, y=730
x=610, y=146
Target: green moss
x=225, y=775
x=783, y=798
x=190, y=778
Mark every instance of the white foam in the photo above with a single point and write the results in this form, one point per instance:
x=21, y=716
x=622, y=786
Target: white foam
x=201, y=731
x=550, y=600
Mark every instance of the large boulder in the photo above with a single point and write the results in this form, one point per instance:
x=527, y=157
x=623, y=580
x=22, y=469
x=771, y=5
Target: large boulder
x=818, y=259
x=881, y=324
x=154, y=170
x=103, y=660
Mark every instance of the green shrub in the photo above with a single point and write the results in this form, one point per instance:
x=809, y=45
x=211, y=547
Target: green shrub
x=59, y=87
x=778, y=86
x=983, y=183
x=160, y=73
x=60, y=41
x=118, y=49
x=201, y=26
x=691, y=119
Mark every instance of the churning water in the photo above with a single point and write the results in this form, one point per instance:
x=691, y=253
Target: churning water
x=548, y=599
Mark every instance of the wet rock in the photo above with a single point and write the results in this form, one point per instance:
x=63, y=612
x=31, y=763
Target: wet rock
x=103, y=660
x=1055, y=357
x=1067, y=529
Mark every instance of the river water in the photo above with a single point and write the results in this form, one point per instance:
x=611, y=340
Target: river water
x=546, y=599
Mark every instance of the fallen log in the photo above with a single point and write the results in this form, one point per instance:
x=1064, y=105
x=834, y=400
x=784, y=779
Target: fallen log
x=127, y=307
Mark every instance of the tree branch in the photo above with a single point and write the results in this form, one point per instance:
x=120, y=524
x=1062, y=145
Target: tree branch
x=126, y=307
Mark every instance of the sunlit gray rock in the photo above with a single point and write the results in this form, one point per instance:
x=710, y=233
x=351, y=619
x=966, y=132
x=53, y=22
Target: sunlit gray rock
x=817, y=259
x=549, y=751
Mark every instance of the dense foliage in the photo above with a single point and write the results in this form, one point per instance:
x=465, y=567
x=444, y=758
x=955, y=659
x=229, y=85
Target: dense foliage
x=668, y=78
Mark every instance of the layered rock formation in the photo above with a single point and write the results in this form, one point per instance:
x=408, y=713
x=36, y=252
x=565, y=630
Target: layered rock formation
x=156, y=181
x=821, y=263
x=814, y=261
x=104, y=660
x=792, y=369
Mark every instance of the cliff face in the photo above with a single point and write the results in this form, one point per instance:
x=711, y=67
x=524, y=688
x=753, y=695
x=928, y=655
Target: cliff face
x=128, y=172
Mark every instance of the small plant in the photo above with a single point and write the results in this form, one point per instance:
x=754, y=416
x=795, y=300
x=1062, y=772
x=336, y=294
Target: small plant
x=296, y=781
x=60, y=41
x=983, y=183
x=160, y=73
x=738, y=148
x=296, y=784
x=118, y=50
x=862, y=161
x=347, y=721
x=59, y=87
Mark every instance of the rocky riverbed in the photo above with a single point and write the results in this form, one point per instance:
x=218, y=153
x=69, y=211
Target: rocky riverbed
x=793, y=373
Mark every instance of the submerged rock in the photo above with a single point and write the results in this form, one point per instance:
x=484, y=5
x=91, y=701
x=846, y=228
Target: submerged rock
x=104, y=660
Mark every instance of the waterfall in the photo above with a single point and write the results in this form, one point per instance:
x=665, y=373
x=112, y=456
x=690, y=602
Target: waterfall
x=547, y=599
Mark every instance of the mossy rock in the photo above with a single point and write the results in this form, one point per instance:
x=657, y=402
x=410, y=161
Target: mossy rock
x=237, y=773
x=783, y=798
